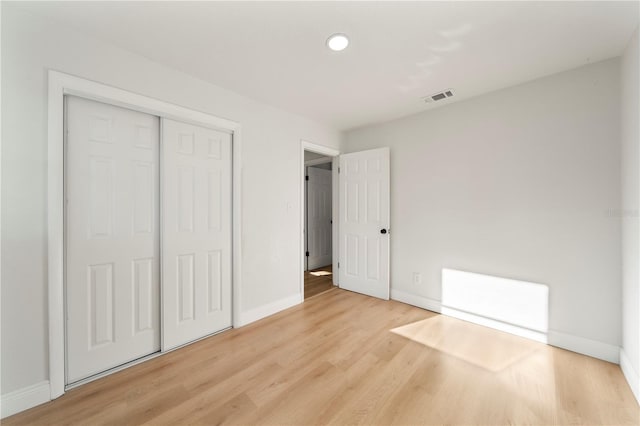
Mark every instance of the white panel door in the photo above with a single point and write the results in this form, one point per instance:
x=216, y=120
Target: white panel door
x=318, y=217
x=196, y=236
x=364, y=222
x=112, y=236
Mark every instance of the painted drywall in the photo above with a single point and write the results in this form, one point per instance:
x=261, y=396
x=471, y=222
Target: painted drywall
x=629, y=215
x=308, y=155
x=324, y=166
x=270, y=195
x=520, y=183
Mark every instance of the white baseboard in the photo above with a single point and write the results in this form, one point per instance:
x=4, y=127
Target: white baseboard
x=25, y=398
x=581, y=345
x=496, y=324
x=570, y=342
x=264, y=311
x=413, y=300
x=39, y=393
x=436, y=306
x=630, y=373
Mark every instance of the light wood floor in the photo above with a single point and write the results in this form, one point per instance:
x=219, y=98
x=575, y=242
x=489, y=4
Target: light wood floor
x=344, y=358
x=318, y=281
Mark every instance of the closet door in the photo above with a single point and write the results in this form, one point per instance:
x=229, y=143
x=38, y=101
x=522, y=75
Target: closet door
x=112, y=236
x=196, y=224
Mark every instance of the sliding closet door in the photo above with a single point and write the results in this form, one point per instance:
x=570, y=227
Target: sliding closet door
x=196, y=229
x=112, y=236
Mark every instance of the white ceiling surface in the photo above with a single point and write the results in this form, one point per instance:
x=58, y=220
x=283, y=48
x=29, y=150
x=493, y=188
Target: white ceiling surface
x=399, y=51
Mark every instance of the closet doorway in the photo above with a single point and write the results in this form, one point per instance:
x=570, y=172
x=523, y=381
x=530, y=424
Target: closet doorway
x=140, y=228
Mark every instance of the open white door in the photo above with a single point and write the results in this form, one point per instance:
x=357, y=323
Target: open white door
x=196, y=223
x=364, y=222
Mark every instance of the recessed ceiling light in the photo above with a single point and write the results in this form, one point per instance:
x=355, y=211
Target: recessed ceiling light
x=338, y=42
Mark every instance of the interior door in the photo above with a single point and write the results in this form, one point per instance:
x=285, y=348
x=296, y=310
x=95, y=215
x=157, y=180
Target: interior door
x=112, y=236
x=196, y=224
x=364, y=222
x=318, y=217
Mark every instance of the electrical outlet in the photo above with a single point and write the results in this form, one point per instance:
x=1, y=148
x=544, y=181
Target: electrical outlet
x=417, y=278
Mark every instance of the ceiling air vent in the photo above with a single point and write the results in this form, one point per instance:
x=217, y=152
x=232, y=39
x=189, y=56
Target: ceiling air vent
x=439, y=96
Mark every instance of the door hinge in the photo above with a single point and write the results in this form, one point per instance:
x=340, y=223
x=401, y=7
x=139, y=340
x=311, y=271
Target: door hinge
x=338, y=169
x=338, y=264
x=307, y=254
x=306, y=178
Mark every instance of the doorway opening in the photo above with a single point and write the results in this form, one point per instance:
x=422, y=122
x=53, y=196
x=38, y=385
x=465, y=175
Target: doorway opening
x=319, y=252
x=318, y=224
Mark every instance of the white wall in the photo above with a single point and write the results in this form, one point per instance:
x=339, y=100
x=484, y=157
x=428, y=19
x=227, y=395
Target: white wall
x=630, y=354
x=520, y=183
x=271, y=195
x=308, y=155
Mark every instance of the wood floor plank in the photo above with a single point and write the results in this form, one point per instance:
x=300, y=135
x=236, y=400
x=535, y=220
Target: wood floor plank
x=318, y=281
x=344, y=358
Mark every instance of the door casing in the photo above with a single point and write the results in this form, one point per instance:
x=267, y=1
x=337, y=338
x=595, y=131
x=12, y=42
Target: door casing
x=61, y=84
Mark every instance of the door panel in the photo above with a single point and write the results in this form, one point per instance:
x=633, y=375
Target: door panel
x=319, y=226
x=364, y=212
x=196, y=227
x=111, y=236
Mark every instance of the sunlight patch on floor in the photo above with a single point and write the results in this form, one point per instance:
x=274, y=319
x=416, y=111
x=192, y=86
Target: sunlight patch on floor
x=484, y=347
x=320, y=273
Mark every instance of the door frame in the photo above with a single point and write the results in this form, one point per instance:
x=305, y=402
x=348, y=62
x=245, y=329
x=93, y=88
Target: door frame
x=329, y=152
x=61, y=84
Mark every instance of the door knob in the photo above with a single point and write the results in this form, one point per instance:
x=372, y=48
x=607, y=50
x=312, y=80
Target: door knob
x=383, y=231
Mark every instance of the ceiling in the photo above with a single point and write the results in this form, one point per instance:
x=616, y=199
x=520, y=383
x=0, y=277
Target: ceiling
x=400, y=51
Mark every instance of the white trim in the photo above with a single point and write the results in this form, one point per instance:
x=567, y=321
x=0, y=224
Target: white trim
x=316, y=161
x=335, y=206
x=236, y=218
x=25, y=398
x=1, y=404
x=88, y=89
x=581, y=345
x=630, y=373
x=414, y=300
x=61, y=84
x=264, y=311
x=55, y=233
x=329, y=152
x=538, y=336
x=570, y=342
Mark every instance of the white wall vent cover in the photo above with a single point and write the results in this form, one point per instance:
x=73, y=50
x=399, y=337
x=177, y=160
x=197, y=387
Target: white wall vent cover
x=445, y=94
